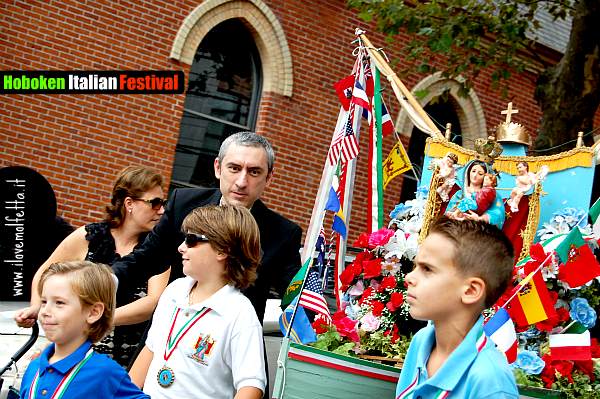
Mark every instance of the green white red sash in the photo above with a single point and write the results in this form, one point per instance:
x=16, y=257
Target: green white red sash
x=66, y=380
x=440, y=394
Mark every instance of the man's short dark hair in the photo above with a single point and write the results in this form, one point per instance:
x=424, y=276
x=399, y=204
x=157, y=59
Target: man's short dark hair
x=481, y=250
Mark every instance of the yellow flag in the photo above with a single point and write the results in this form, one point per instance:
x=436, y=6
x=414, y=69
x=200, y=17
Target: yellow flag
x=395, y=164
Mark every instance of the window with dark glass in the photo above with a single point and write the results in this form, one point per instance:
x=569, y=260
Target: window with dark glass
x=442, y=112
x=222, y=98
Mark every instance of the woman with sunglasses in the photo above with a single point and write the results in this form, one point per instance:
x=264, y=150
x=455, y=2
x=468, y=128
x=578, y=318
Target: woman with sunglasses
x=136, y=206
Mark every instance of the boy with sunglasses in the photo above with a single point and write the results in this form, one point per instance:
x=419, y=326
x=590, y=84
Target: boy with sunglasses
x=205, y=340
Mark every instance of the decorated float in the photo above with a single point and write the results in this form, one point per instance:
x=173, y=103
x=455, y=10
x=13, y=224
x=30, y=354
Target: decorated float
x=545, y=324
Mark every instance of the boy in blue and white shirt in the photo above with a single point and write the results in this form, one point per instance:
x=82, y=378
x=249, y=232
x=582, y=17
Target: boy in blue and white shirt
x=462, y=268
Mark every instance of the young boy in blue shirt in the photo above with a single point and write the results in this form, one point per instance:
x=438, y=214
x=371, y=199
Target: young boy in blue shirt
x=461, y=268
x=77, y=308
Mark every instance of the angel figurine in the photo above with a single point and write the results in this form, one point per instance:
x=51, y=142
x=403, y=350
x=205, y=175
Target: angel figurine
x=447, y=172
x=525, y=181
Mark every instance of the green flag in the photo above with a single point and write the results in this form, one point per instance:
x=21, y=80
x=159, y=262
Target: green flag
x=573, y=239
x=294, y=288
x=575, y=328
x=595, y=211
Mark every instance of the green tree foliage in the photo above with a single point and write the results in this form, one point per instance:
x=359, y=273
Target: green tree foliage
x=461, y=38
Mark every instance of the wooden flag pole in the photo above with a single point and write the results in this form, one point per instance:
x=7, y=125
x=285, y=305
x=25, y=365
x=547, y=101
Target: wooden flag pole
x=392, y=77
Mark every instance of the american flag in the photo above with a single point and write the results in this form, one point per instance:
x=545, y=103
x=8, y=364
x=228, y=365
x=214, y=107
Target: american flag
x=345, y=144
x=312, y=296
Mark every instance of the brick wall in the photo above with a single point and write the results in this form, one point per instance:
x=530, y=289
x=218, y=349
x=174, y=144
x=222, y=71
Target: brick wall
x=79, y=142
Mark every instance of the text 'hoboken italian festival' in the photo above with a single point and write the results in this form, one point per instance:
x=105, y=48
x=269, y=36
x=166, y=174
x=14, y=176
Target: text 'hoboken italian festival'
x=91, y=82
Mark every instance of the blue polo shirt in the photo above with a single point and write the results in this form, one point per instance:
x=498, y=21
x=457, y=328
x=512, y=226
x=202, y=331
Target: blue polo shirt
x=467, y=373
x=100, y=377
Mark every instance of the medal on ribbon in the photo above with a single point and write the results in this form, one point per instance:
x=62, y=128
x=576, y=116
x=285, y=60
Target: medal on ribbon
x=166, y=376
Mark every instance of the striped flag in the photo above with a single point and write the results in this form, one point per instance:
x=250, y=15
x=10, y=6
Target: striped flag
x=570, y=346
x=345, y=144
x=312, y=296
x=387, y=126
x=501, y=331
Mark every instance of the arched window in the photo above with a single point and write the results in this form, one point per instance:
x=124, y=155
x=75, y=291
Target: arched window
x=222, y=98
x=442, y=111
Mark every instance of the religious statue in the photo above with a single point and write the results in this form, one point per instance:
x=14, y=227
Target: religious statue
x=524, y=182
x=447, y=172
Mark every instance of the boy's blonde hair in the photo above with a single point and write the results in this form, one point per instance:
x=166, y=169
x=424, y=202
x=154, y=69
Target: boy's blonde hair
x=480, y=250
x=92, y=282
x=233, y=231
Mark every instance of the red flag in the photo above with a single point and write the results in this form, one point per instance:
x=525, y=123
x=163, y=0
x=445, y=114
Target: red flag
x=570, y=346
x=343, y=88
x=580, y=264
x=533, y=303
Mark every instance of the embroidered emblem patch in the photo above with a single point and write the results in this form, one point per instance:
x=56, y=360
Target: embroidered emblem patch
x=202, y=349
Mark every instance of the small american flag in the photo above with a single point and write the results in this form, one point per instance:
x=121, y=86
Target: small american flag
x=345, y=144
x=312, y=296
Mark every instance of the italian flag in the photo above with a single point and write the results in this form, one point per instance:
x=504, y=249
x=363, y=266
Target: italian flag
x=571, y=346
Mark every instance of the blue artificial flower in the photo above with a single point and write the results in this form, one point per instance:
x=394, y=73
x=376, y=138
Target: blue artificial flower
x=582, y=312
x=399, y=211
x=422, y=192
x=529, y=362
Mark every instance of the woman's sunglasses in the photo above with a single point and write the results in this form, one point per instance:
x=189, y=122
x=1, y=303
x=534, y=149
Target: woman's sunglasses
x=191, y=239
x=155, y=203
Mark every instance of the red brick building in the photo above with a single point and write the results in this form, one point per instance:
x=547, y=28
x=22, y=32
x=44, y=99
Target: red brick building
x=279, y=62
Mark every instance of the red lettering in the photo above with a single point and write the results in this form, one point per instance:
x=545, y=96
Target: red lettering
x=122, y=81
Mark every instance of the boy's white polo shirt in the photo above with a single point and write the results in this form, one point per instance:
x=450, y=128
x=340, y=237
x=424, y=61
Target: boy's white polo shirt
x=220, y=354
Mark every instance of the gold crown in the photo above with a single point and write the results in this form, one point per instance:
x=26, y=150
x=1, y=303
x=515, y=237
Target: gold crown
x=512, y=133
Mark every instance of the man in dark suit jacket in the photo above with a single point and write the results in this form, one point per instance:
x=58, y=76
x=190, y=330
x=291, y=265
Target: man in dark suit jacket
x=244, y=168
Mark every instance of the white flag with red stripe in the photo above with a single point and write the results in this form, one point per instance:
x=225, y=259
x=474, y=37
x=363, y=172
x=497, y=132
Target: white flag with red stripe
x=571, y=346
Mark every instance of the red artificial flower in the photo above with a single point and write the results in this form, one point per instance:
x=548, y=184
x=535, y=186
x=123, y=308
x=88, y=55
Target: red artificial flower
x=553, y=296
x=380, y=237
x=347, y=277
x=365, y=296
x=387, y=282
x=338, y=315
x=357, y=267
x=346, y=327
x=564, y=368
x=586, y=367
x=549, y=373
x=377, y=308
x=319, y=325
x=395, y=334
x=362, y=256
x=372, y=268
x=563, y=314
x=362, y=241
x=548, y=324
x=397, y=299
x=595, y=349
x=536, y=251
